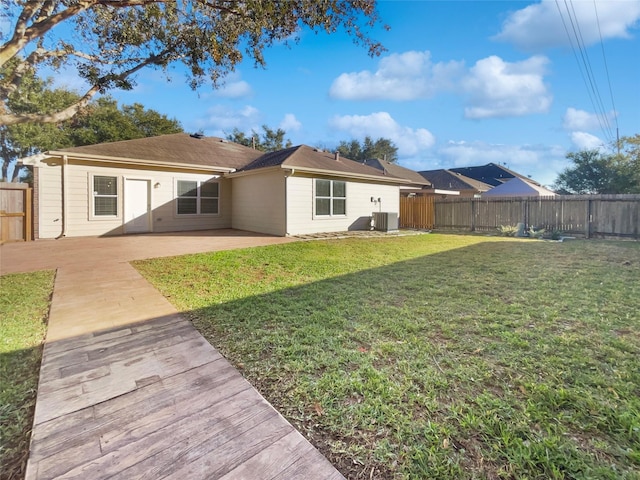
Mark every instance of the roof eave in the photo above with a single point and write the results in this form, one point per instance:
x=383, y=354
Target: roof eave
x=319, y=171
x=255, y=171
x=359, y=176
x=136, y=161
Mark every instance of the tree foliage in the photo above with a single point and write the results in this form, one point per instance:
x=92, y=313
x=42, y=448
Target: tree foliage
x=270, y=140
x=595, y=172
x=22, y=140
x=102, y=121
x=108, y=41
x=382, y=148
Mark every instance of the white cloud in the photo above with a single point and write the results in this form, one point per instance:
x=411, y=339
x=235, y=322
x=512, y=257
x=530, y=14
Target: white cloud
x=542, y=162
x=220, y=120
x=586, y=141
x=493, y=86
x=400, y=76
x=232, y=86
x=500, y=89
x=237, y=89
x=381, y=125
x=581, y=120
x=290, y=123
x=540, y=25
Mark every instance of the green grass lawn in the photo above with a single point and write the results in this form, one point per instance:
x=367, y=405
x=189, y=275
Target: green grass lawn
x=434, y=356
x=24, y=304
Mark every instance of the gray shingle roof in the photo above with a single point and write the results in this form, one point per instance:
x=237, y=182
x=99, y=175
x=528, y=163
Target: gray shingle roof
x=491, y=174
x=448, y=180
x=212, y=152
x=398, y=171
x=303, y=157
x=178, y=148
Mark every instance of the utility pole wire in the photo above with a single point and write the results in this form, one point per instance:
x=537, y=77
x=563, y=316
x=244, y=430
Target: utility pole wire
x=599, y=106
x=606, y=68
x=587, y=73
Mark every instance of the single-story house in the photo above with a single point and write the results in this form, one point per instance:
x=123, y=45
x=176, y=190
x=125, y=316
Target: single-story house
x=448, y=182
x=518, y=187
x=185, y=182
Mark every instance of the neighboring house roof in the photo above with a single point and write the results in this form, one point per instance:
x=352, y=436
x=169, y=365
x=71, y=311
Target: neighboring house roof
x=312, y=160
x=518, y=187
x=398, y=171
x=447, y=180
x=178, y=149
x=491, y=174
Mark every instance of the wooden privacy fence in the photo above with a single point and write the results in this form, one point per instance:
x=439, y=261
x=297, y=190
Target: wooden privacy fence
x=15, y=212
x=417, y=212
x=584, y=215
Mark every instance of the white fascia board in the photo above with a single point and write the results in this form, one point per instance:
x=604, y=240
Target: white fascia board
x=138, y=162
x=357, y=176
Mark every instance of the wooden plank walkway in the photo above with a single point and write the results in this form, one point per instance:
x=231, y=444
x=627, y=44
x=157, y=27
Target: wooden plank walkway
x=130, y=390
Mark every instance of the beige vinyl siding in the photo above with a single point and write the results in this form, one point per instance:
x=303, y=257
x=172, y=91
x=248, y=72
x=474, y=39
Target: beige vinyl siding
x=258, y=203
x=300, y=206
x=80, y=221
x=50, y=201
x=165, y=217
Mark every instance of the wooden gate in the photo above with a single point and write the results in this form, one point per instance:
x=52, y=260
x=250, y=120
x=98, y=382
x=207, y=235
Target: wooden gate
x=15, y=212
x=417, y=212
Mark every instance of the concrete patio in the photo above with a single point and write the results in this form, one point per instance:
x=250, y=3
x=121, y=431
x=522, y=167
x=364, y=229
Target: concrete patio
x=129, y=389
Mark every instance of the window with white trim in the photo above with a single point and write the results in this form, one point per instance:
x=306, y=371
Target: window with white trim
x=105, y=196
x=197, y=198
x=330, y=197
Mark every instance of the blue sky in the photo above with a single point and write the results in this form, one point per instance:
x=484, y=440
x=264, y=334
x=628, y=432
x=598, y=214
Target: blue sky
x=461, y=83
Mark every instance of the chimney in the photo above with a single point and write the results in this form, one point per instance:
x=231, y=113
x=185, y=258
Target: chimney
x=337, y=155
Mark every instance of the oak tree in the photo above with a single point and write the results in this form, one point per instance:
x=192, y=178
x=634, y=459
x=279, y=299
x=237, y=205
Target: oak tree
x=595, y=172
x=107, y=41
x=101, y=121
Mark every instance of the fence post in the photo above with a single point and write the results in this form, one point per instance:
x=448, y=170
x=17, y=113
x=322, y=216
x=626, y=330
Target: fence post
x=28, y=217
x=473, y=214
x=587, y=226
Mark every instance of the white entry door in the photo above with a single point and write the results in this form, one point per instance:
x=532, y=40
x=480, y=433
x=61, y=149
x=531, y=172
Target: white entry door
x=137, y=205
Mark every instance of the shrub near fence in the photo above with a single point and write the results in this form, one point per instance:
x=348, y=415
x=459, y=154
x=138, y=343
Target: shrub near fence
x=582, y=215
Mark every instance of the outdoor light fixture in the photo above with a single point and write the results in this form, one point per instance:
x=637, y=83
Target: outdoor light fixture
x=156, y=185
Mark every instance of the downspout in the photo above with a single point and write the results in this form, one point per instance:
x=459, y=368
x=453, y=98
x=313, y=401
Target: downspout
x=286, y=201
x=63, y=175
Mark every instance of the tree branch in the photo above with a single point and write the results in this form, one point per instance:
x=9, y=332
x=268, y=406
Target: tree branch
x=56, y=117
x=23, y=35
x=70, y=111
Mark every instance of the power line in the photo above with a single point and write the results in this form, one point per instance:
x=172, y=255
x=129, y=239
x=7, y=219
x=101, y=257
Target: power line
x=584, y=66
x=606, y=68
x=589, y=69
